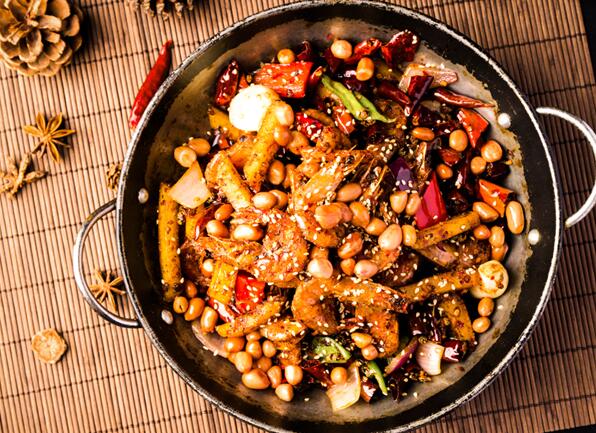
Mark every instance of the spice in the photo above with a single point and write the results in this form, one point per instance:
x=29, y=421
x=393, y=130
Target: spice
x=48, y=346
x=156, y=76
x=113, y=175
x=16, y=177
x=105, y=289
x=49, y=134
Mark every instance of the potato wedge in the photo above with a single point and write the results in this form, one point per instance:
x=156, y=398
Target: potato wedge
x=459, y=320
x=447, y=282
x=223, y=282
x=221, y=174
x=168, y=243
x=219, y=119
x=252, y=320
x=263, y=150
x=446, y=229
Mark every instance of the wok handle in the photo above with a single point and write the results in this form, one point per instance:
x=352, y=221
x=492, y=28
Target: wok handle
x=79, y=274
x=590, y=135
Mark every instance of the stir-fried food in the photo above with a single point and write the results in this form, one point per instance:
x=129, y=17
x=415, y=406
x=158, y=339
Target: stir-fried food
x=340, y=217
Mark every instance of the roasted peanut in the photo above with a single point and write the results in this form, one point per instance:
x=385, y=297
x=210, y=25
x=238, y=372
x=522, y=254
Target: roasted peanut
x=255, y=379
x=478, y=165
x=491, y=151
x=497, y=236
x=486, y=307
x=349, y=192
x=361, y=217
x=347, y=266
x=481, y=232
x=328, y=215
x=365, y=69
x=195, y=309
x=217, y=228
x=370, y=352
x=375, y=227
x=365, y=269
x=180, y=304
x=409, y=235
x=398, y=201
x=458, y=140
x=243, y=362
x=293, y=374
x=264, y=200
x=285, y=56
x=361, y=340
x=320, y=268
x=514, y=214
x=185, y=156
x=481, y=325
x=413, y=204
x=486, y=212
x=424, y=134
x=199, y=145
x=341, y=49
x=224, y=212
x=391, y=238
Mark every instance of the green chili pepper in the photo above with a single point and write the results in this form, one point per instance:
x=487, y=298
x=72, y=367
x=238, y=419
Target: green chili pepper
x=372, y=369
x=372, y=110
x=358, y=106
x=350, y=101
x=329, y=351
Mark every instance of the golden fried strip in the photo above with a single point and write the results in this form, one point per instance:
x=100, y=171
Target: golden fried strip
x=222, y=174
x=263, y=150
x=168, y=243
x=447, y=282
x=446, y=229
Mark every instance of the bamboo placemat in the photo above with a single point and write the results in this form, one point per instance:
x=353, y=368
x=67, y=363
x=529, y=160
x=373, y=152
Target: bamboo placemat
x=111, y=379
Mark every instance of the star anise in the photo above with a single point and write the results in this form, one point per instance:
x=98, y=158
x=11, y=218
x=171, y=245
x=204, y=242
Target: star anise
x=105, y=289
x=16, y=177
x=49, y=135
x=113, y=175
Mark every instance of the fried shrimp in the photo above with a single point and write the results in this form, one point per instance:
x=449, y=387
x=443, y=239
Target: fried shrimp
x=383, y=326
x=284, y=251
x=313, y=300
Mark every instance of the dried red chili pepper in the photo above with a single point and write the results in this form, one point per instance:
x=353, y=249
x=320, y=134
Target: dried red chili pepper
x=333, y=62
x=473, y=123
x=308, y=126
x=288, y=80
x=305, y=53
x=227, y=84
x=419, y=85
x=444, y=127
x=363, y=49
x=243, y=83
x=451, y=98
x=343, y=119
x=432, y=207
x=249, y=292
x=386, y=89
x=401, y=48
x=494, y=195
x=155, y=77
x=423, y=116
x=315, y=77
x=449, y=156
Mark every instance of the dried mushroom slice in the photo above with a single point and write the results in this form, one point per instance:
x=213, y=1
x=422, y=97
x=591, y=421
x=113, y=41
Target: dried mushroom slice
x=48, y=346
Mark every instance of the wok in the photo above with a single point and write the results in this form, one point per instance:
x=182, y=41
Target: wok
x=179, y=109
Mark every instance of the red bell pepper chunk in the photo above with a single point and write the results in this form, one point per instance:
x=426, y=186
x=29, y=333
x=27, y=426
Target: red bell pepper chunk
x=288, y=80
x=250, y=292
x=343, y=119
x=473, y=123
x=363, y=49
x=451, y=98
x=432, y=207
x=494, y=195
x=401, y=48
x=308, y=126
x=386, y=89
x=227, y=313
x=227, y=84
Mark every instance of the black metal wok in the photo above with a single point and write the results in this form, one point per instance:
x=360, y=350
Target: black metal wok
x=179, y=110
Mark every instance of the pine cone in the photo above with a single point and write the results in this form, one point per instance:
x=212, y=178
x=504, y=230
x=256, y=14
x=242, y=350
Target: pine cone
x=39, y=36
x=164, y=7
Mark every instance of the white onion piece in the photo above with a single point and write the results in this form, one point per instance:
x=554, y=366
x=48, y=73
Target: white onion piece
x=345, y=395
x=248, y=107
x=191, y=189
x=494, y=280
x=428, y=357
x=211, y=341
